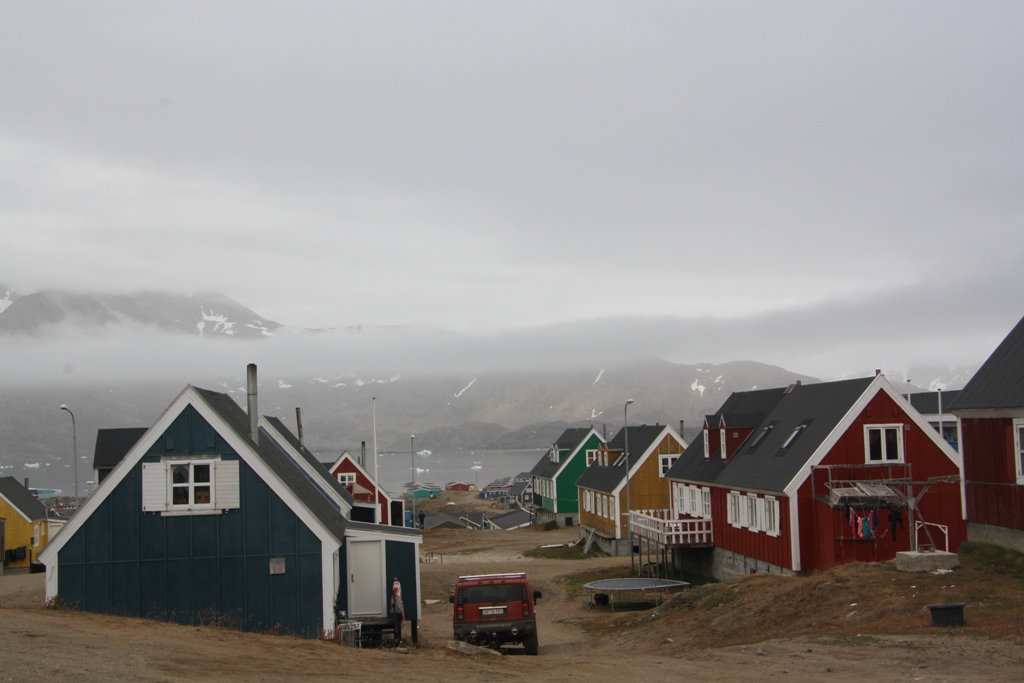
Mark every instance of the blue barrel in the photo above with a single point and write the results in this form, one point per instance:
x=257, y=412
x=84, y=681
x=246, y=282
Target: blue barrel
x=408, y=518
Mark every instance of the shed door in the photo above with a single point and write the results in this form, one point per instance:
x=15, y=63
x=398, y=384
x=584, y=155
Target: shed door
x=366, y=577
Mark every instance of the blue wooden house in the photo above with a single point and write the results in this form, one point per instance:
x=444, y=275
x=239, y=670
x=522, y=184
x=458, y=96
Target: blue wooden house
x=204, y=521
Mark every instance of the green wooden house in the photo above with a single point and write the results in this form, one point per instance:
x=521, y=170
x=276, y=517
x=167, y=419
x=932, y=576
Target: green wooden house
x=555, y=496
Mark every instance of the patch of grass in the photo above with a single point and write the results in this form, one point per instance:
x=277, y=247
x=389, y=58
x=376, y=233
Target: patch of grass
x=564, y=553
x=992, y=558
x=550, y=525
x=720, y=597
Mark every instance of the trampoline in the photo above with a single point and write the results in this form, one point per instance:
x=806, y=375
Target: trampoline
x=610, y=591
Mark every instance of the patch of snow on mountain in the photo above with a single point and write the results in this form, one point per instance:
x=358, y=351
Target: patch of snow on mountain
x=6, y=300
x=753, y=387
x=257, y=325
x=718, y=379
x=465, y=387
x=360, y=382
x=340, y=384
x=282, y=385
x=594, y=413
x=599, y=376
x=697, y=387
x=222, y=324
x=937, y=385
x=395, y=378
x=200, y=325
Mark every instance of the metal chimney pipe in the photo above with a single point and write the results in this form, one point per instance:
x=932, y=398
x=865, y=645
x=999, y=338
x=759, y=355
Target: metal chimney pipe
x=298, y=425
x=681, y=422
x=362, y=455
x=254, y=413
x=26, y=482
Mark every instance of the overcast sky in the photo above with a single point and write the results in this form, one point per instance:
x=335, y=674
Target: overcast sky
x=852, y=171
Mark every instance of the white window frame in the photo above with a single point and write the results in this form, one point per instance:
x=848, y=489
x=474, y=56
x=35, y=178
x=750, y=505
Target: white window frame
x=705, y=500
x=721, y=445
x=192, y=485
x=346, y=478
x=753, y=521
x=1018, y=447
x=735, y=509
x=591, y=456
x=158, y=485
x=667, y=461
x=707, y=444
x=692, y=505
x=885, y=460
x=771, y=516
x=35, y=535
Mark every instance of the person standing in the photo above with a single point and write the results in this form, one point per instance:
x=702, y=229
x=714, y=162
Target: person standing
x=422, y=517
x=397, y=608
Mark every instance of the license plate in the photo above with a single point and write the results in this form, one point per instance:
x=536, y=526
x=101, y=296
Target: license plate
x=492, y=611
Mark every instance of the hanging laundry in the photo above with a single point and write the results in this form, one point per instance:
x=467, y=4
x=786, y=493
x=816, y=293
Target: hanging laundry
x=874, y=521
x=866, y=528
x=895, y=517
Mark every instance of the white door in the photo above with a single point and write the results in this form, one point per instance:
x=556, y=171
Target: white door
x=366, y=577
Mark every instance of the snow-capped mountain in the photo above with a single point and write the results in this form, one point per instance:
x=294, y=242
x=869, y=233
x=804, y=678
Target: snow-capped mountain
x=202, y=314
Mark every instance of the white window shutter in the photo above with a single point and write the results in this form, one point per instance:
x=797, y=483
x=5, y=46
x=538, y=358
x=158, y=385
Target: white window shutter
x=226, y=487
x=774, y=505
x=705, y=500
x=154, y=487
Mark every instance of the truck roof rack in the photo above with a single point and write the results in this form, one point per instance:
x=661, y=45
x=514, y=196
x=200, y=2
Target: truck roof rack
x=493, y=577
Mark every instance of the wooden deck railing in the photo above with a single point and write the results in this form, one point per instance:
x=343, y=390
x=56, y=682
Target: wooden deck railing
x=658, y=526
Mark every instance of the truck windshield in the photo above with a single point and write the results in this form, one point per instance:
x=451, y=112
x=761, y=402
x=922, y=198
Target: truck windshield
x=497, y=592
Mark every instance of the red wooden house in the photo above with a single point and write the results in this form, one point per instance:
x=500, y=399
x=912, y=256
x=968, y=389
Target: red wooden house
x=990, y=410
x=808, y=477
x=363, y=488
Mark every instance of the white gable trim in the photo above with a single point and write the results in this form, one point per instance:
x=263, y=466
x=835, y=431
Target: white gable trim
x=380, y=492
x=880, y=383
x=563, y=463
x=635, y=465
x=115, y=477
x=301, y=463
x=188, y=396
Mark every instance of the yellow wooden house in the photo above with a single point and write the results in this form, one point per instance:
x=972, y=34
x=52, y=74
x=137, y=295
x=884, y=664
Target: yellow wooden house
x=26, y=530
x=604, y=499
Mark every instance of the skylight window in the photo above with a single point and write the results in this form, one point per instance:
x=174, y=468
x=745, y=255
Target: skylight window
x=796, y=433
x=760, y=437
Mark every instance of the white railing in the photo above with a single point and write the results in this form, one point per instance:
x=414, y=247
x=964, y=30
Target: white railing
x=658, y=525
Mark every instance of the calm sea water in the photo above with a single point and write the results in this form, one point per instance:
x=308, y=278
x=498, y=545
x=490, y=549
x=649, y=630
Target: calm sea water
x=442, y=466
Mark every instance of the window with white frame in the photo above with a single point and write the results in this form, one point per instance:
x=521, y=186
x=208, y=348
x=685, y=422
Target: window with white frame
x=771, y=516
x=677, y=497
x=707, y=446
x=591, y=457
x=346, y=478
x=735, y=509
x=753, y=519
x=190, y=486
x=667, y=462
x=1018, y=448
x=705, y=497
x=693, y=504
x=721, y=441
x=883, y=443
x=35, y=535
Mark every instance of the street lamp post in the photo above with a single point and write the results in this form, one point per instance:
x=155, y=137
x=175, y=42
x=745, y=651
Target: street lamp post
x=629, y=506
x=412, y=486
x=74, y=442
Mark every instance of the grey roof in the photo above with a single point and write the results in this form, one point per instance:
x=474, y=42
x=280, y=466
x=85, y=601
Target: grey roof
x=999, y=382
x=545, y=467
x=927, y=402
x=640, y=438
x=453, y=520
x=20, y=497
x=519, y=488
x=325, y=474
x=818, y=408
x=113, y=444
x=606, y=478
x=603, y=478
x=278, y=462
x=512, y=519
x=570, y=440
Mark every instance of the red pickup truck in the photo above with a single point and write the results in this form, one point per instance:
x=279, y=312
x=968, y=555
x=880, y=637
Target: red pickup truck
x=495, y=610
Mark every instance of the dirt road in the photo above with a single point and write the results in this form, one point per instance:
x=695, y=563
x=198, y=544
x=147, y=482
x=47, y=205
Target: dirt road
x=801, y=629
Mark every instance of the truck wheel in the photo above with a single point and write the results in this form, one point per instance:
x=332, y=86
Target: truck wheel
x=531, y=643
